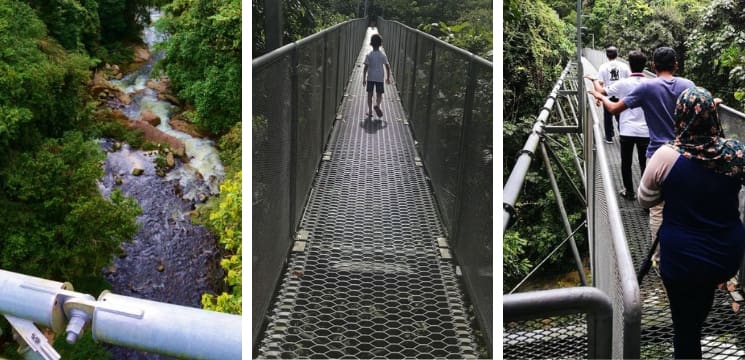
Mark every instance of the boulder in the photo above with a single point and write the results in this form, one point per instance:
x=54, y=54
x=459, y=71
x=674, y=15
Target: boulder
x=170, y=160
x=123, y=97
x=152, y=134
x=141, y=54
x=170, y=98
x=150, y=117
x=137, y=171
x=158, y=86
x=186, y=127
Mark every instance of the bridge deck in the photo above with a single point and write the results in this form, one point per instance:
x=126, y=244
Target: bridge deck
x=724, y=330
x=370, y=281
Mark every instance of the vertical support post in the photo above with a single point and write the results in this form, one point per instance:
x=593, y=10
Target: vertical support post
x=273, y=24
x=323, y=94
x=564, y=216
x=463, y=148
x=412, y=92
x=293, y=137
x=428, y=113
x=584, y=123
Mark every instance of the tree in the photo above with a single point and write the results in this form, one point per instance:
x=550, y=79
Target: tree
x=537, y=47
x=203, y=59
x=55, y=223
x=716, y=55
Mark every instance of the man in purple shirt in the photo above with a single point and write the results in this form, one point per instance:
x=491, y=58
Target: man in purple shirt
x=657, y=97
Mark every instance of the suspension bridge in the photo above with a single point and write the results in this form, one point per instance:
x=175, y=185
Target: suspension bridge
x=372, y=235
x=612, y=317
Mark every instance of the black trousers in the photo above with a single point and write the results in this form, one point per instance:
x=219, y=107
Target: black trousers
x=690, y=303
x=608, y=121
x=627, y=151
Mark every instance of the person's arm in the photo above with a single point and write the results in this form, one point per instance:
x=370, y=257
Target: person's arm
x=597, y=84
x=388, y=73
x=656, y=171
x=612, y=107
x=364, y=75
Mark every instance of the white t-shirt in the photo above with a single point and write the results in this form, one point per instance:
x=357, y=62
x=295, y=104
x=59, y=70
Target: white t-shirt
x=631, y=122
x=613, y=71
x=375, y=61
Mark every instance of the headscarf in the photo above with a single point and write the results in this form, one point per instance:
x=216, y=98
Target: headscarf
x=699, y=135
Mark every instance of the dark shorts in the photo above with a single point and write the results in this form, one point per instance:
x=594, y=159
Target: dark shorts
x=378, y=86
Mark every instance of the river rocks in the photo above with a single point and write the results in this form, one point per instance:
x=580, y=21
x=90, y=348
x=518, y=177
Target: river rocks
x=118, y=180
x=152, y=134
x=150, y=117
x=160, y=86
x=110, y=270
x=170, y=160
x=141, y=54
x=186, y=127
x=117, y=146
x=170, y=98
x=137, y=171
x=161, y=267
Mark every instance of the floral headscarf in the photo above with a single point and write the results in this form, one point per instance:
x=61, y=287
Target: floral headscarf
x=699, y=135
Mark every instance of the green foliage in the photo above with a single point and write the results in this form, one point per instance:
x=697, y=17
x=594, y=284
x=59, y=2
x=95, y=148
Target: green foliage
x=300, y=18
x=537, y=47
x=472, y=31
x=56, y=224
x=84, y=349
x=225, y=221
x=716, y=51
x=203, y=59
x=43, y=85
x=644, y=25
x=514, y=264
x=230, y=148
x=74, y=24
x=419, y=12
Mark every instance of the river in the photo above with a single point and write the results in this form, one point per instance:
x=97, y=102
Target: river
x=170, y=259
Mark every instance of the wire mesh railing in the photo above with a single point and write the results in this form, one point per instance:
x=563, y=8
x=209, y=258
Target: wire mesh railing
x=296, y=90
x=447, y=94
x=611, y=265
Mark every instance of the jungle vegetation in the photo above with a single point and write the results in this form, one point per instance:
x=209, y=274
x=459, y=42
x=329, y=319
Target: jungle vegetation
x=55, y=222
x=539, y=40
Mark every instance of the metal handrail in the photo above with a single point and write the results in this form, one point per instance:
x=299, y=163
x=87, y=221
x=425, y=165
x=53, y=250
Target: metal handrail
x=568, y=301
x=513, y=186
x=144, y=325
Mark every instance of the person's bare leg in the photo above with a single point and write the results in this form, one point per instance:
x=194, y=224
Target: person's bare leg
x=369, y=103
x=378, y=100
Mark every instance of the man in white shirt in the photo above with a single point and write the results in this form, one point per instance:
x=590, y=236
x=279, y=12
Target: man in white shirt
x=632, y=124
x=610, y=72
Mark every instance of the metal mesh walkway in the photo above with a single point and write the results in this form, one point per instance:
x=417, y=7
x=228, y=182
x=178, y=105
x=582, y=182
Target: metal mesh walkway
x=724, y=330
x=370, y=280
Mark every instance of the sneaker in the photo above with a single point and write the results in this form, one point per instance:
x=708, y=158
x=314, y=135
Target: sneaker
x=627, y=195
x=378, y=111
x=609, y=141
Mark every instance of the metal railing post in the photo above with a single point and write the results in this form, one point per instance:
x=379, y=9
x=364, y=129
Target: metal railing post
x=564, y=216
x=567, y=301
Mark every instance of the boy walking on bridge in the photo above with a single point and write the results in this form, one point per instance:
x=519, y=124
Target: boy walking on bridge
x=373, y=71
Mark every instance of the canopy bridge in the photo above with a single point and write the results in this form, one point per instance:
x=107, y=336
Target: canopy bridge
x=371, y=235
x=613, y=317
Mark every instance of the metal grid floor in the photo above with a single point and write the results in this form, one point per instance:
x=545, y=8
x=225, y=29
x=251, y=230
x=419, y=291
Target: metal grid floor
x=724, y=330
x=370, y=281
